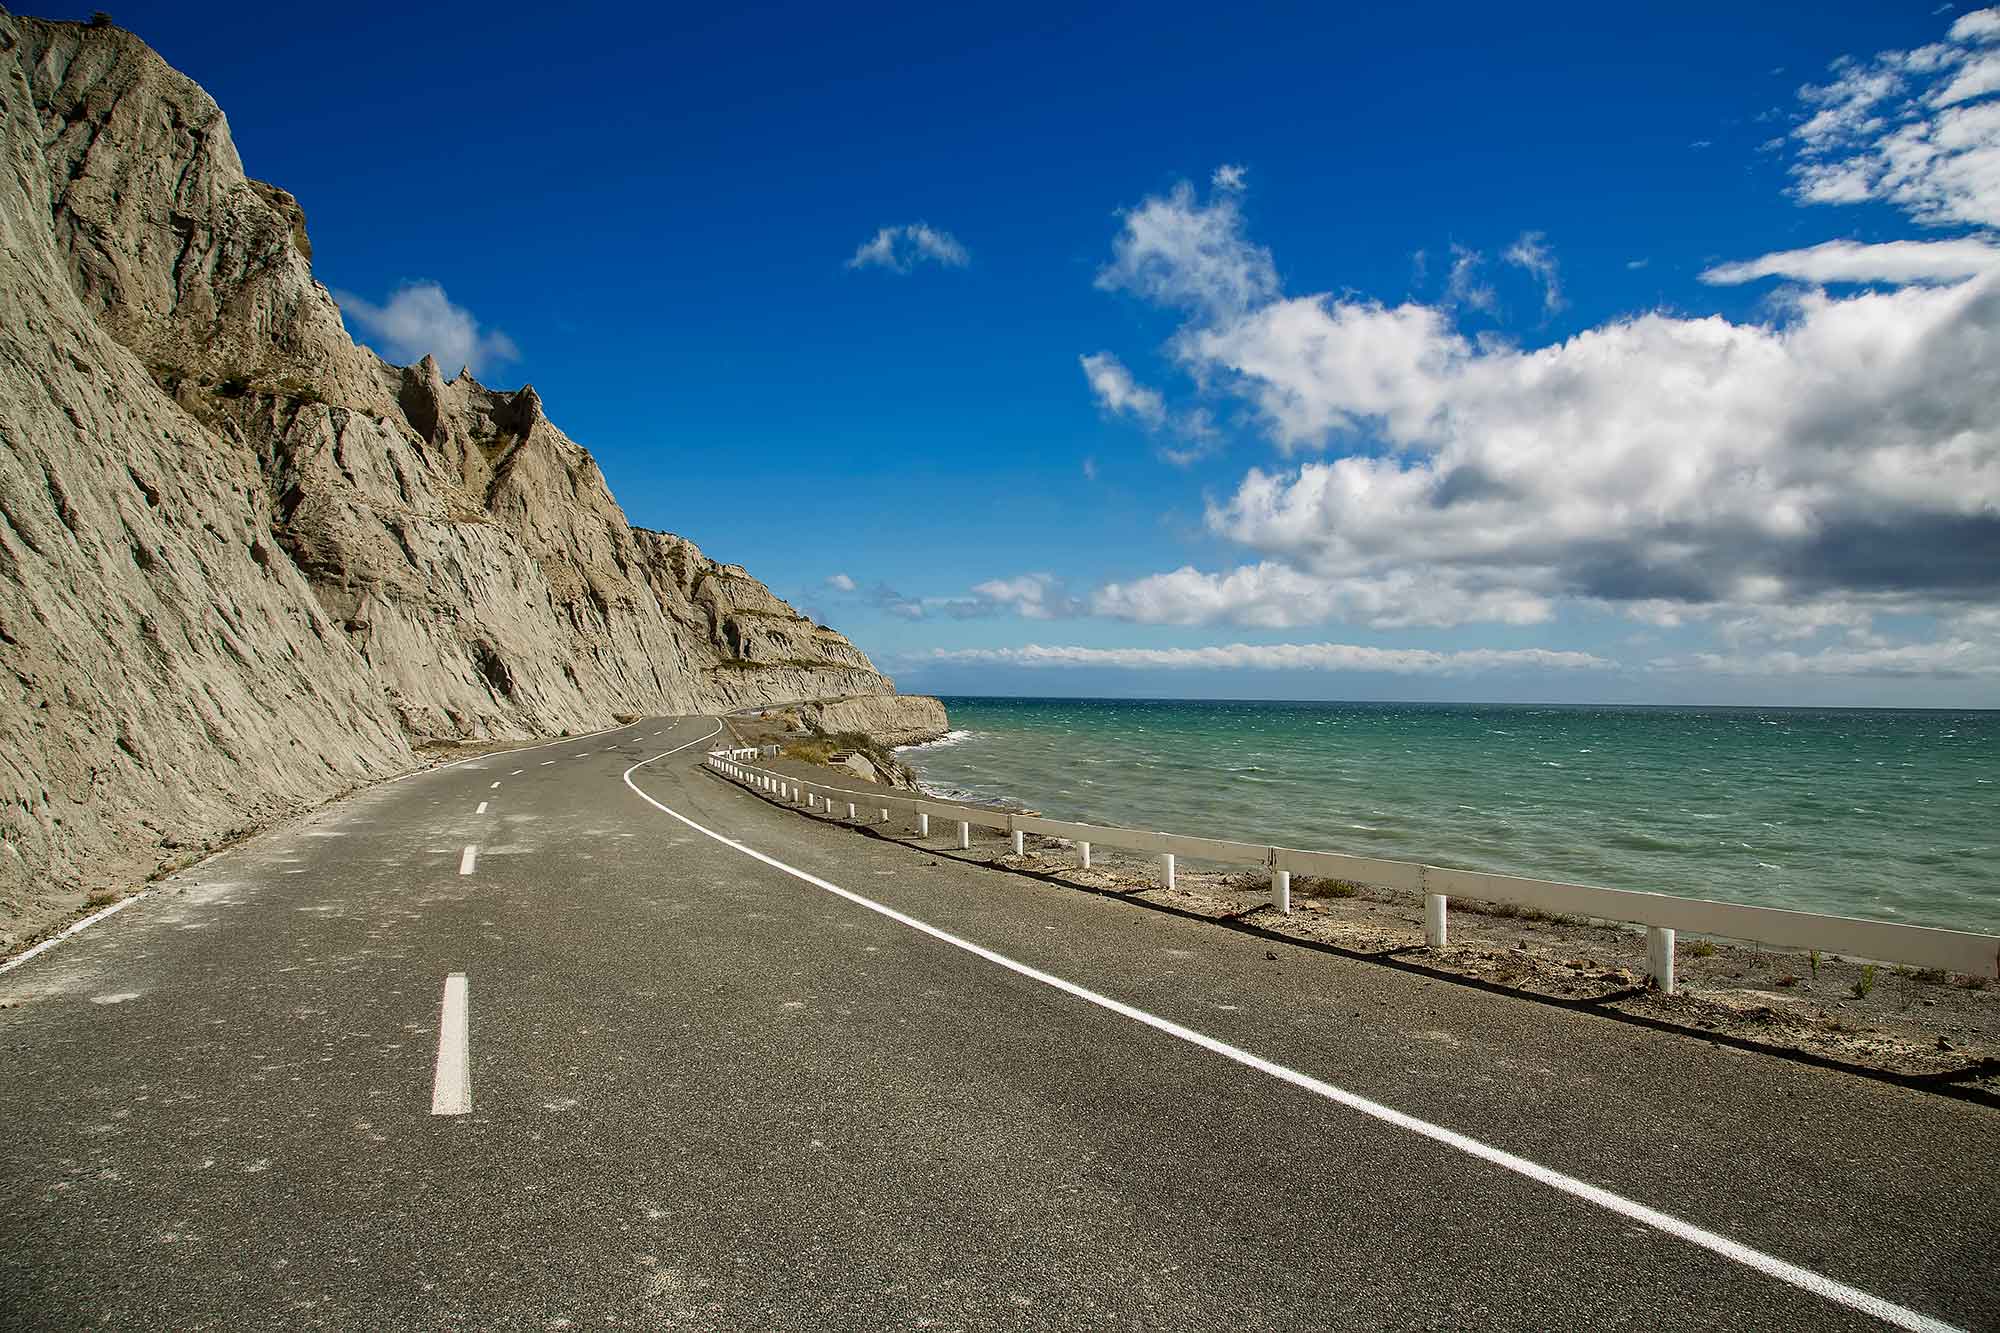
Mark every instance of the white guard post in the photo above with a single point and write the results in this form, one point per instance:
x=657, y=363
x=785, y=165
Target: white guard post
x=1660, y=958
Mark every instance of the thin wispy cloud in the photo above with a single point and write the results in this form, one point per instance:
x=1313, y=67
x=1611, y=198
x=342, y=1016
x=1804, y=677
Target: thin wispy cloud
x=1464, y=287
x=1118, y=393
x=1852, y=261
x=419, y=320
x=1229, y=177
x=901, y=248
x=1028, y=596
x=1952, y=659
x=1192, y=435
x=840, y=583
x=1280, y=657
x=1531, y=252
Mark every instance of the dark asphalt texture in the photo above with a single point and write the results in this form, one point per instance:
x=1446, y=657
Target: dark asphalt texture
x=707, y=1095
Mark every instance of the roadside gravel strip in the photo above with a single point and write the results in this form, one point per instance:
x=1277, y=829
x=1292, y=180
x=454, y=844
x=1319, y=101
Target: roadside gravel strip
x=1806, y=1280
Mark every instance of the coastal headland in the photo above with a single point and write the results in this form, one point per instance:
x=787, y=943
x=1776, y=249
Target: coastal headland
x=247, y=565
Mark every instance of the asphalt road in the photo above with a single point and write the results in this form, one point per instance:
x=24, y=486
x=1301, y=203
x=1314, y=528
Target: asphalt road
x=706, y=1092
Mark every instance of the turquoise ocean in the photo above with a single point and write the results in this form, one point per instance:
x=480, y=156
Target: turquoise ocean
x=1890, y=814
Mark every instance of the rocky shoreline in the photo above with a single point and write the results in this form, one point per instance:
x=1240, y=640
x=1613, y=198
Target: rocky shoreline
x=1924, y=1029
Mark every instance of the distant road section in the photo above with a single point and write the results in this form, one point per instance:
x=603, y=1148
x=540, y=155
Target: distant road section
x=587, y=1035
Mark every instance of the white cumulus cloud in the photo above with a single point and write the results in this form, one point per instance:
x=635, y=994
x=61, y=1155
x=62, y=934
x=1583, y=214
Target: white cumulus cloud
x=1846, y=450
x=1917, y=129
x=419, y=320
x=1181, y=252
x=1031, y=596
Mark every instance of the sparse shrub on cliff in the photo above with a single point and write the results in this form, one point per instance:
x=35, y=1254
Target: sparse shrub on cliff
x=821, y=747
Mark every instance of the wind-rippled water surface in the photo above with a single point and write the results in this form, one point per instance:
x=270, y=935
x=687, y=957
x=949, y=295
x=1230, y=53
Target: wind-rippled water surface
x=1888, y=814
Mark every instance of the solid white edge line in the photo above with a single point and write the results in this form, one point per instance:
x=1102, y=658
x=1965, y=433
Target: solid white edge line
x=85, y=924
x=467, y=859
x=451, y=1084
x=1770, y=1265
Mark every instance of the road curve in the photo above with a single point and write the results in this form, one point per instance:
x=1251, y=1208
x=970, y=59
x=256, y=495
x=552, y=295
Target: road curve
x=682, y=1086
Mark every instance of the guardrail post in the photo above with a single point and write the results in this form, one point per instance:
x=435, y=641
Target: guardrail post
x=885, y=814
x=1020, y=842
x=812, y=801
x=850, y=810
x=1166, y=870
x=964, y=836
x=1660, y=958
x=1434, y=920
x=923, y=824
x=1084, y=849
x=1281, y=891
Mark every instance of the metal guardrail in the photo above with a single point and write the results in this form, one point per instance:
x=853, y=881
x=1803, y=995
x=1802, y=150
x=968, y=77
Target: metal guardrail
x=1662, y=914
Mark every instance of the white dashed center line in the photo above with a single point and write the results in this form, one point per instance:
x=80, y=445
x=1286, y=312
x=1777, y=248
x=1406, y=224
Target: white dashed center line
x=496, y=784
x=466, y=860
x=451, y=1085
x=481, y=810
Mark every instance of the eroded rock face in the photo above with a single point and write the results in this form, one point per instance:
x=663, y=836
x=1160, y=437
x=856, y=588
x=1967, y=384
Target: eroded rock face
x=903, y=719
x=244, y=563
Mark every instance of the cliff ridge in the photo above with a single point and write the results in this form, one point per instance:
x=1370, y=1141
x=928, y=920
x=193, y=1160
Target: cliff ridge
x=245, y=564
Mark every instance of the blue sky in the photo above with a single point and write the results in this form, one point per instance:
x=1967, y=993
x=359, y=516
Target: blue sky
x=1613, y=354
